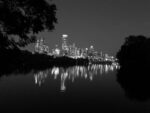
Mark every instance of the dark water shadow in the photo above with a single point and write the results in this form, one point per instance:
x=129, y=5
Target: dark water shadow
x=134, y=78
x=22, y=69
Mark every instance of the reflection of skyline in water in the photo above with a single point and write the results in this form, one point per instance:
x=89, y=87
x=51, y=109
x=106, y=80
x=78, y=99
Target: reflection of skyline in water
x=72, y=73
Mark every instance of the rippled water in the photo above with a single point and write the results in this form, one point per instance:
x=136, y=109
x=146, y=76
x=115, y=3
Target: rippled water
x=72, y=74
x=92, y=88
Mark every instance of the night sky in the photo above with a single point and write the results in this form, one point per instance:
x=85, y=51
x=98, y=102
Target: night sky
x=102, y=23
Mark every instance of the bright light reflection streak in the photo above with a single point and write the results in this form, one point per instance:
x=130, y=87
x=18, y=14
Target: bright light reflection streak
x=72, y=73
x=63, y=78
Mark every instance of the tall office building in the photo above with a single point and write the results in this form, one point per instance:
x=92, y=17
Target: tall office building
x=65, y=47
x=64, y=42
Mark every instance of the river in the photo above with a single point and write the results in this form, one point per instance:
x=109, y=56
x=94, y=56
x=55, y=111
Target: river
x=89, y=88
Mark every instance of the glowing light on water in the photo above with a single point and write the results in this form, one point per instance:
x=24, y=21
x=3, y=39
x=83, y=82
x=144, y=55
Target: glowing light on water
x=72, y=73
x=63, y=78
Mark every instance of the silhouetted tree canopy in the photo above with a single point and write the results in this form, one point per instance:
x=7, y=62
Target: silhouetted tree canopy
x=135, y=48
x=21, y=19
x=133, y=76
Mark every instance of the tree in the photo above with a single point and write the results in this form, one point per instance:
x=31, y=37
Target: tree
x=20, y=20
x=134, y=49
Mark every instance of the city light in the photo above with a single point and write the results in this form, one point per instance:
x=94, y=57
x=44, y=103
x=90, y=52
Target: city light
x=64, y=35
x=72, y=51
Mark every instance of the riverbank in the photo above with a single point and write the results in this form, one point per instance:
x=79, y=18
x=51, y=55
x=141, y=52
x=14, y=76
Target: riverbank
x=25, y=61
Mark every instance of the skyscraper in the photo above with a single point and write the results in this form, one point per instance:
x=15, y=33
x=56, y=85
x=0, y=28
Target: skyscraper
x=64, y=42
x=65, y=47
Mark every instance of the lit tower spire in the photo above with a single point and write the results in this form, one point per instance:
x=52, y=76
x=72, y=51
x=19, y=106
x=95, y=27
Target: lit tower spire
x=65, y=47
x=64, y=42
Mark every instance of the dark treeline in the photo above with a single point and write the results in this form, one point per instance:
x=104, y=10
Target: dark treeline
x=134, y=59
x=24, y=62
x=135, y=49
x=20, y=22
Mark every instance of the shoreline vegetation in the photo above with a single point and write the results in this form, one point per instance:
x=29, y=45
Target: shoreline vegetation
x=135, y=50
x=25, y=61
x=134, y=60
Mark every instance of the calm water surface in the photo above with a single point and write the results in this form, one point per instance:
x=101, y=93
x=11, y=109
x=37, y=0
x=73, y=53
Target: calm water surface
x=92, y=88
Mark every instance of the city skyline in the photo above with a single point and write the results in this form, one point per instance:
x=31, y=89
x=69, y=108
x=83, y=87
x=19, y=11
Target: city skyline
x=103, y=23
x=71, y=50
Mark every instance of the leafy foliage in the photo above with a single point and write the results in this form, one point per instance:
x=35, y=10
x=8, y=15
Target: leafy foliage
x=134, y=59
x=21, y=18
x=135, y=49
